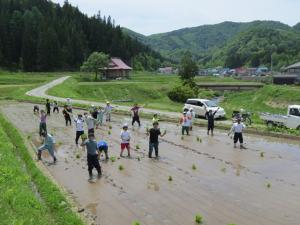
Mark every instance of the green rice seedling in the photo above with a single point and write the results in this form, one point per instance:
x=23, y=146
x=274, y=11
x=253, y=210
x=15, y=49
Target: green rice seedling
x=110, y=127
x=136, y=223
x=198, y=219
x=137, y=147
x=268, y=185
x=121, y=167
x=77, y=156
x=113, y=158
x=29, y=137
x=231, y=224
x=182, y=138
x=194, y=167
x=223, y=170
x=109, y=132
x=139, y=158
x=262, y=154
x=199, y=139
x=170, y=178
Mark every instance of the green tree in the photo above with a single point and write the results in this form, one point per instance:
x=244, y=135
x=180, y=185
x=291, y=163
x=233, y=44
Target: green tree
x=188, y=69
x=95, y=62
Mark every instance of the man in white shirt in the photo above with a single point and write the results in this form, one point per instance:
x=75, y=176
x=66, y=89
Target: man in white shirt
x=90, y=122
x=237, y=129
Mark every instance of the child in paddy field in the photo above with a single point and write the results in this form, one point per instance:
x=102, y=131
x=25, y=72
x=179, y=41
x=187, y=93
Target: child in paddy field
x=43, y=124
x=55, y=107
x=108, y=109
x=103, y=146
x=125, y=137
x=135, y=114
x=100, y=114
x=237, y=129
x=79, y=122
x=90, y=122
x=67, y=115
x=48, y=145
x=153, y=139
x=185, y=123
x=36, y=109
x=92, y=155
x=48, y=107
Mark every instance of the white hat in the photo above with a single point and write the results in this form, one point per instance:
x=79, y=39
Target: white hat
x=125, y=125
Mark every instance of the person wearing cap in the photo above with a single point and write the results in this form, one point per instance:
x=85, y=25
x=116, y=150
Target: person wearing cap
x=103, y=147
x=237, y=129
x=79, y=123
x=153, y=134
x=48, y=145
x=210, y=116
x=125, y=140
x=185, y=123
x=92, y=155
x=107, y=111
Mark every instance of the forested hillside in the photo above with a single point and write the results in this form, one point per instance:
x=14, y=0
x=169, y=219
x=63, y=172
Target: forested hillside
x=230, y=44
x=38, y=35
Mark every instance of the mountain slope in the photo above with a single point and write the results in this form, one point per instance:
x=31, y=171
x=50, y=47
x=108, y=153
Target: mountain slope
x=200, y=40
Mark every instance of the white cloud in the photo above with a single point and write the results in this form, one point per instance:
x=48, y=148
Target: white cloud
x=155, y=16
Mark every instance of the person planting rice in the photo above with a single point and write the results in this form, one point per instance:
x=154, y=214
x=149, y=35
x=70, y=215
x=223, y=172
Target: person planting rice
x=237, y=129
x=55, y=107
x=79, y=122
x=135, y=114
x=210, y=115
x=43, y=124
x=36, y=109
x=153, y=134
x=103, y=147
x=90, y=122
x=92, y=155
x=47, y=145
x=185, y=124
x=48, y=107
x=67, y=115
x=125, y=140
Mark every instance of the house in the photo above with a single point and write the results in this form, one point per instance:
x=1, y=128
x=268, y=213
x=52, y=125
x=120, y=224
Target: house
x=293, y=69
x=116, y=69
x=166, y=70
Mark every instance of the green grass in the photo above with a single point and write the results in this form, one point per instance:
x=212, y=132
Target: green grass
x=270, y=98
x=13, y=86
x=27, y=196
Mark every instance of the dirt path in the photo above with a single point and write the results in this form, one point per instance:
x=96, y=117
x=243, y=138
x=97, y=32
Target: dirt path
x=228, y=186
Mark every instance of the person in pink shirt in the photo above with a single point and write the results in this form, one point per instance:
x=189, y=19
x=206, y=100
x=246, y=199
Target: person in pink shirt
x=43, y=124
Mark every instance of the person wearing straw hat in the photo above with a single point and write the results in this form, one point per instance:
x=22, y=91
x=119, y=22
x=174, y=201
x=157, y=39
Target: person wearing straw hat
x=107, y=111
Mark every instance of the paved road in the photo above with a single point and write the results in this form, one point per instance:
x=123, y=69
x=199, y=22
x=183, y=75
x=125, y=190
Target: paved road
x=41, y=92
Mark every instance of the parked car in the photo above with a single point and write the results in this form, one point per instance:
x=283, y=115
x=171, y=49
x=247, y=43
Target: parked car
x=291, y=120
x=201, y=106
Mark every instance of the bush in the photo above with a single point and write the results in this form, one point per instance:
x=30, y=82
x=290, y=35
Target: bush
x=182, y=93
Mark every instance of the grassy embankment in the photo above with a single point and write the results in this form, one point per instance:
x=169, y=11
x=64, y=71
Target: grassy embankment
x=27, y=196
x=144, y=88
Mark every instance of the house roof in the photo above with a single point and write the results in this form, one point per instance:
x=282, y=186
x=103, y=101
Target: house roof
x=118, y=64
x=296, y=65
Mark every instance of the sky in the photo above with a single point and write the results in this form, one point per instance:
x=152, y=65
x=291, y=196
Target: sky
x=158, y=16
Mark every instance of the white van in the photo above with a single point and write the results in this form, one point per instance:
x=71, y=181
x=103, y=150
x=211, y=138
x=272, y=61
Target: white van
x=201, y=106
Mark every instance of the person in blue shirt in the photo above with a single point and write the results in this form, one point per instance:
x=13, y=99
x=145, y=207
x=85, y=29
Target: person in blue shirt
x=103, y=147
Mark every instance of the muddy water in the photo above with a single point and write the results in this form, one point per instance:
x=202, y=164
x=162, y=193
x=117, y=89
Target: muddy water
x=228, y=185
